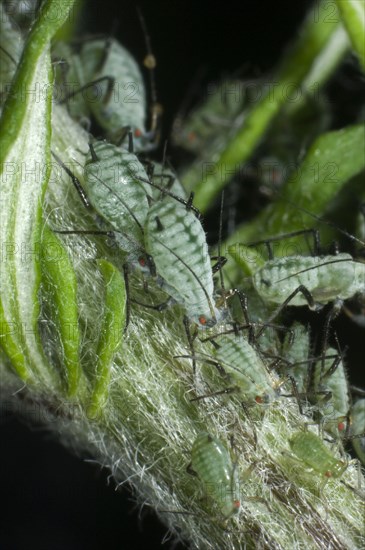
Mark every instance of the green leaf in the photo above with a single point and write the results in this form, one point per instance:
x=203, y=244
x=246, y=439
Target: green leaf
x=59, y=280
x=208, y=175
x=111, y=333
x=333, y=159
x=353, y=17
x=25, y=169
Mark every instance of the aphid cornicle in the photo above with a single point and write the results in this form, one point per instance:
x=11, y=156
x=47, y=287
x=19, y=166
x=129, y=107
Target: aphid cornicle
x=176, y=241
x=212, y=463
x=310, y=449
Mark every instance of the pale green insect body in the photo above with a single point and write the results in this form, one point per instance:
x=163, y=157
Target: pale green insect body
x=310, y=449
x=245, y=368
x=102, y=80
x=327, y=278
x=212, y=463
x=176, y=241
x=126, y=103
x=217, y=113
x=114, y=188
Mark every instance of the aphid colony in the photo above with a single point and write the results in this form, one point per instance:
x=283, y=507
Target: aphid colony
x=144, y=209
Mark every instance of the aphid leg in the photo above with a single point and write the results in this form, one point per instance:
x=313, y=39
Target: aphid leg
x=110, y=86
x=226, y=391
x=122, y=135
x=190, y=470
x=221, y=261
x=75, y=181
x=307, y=295
x=296, y=393
x=332, y=314
x=244, y=306
x=127, y=292
x=191, y=342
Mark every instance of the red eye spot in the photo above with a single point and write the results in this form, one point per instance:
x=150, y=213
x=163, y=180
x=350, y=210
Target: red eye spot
x=202, y=320
x=341, y=426
x=259, y=399
x=328, y=474
x=142, y=261
x=192, y=136
x=137, y=132
x=236, y=504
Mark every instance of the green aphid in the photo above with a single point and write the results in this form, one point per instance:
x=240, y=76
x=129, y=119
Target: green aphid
x=212, y=463
x=310, y=449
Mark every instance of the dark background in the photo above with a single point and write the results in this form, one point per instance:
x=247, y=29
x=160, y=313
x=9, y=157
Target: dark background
x=52, y=499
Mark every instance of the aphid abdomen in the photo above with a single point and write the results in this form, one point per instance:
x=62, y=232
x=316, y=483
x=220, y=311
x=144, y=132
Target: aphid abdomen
x=213, y=465
x=112, y=184
x=310, y=448
x=327, y=278
x=176, y=240
x=126, y=105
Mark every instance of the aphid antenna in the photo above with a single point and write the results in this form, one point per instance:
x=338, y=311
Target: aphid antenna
x=187, y=203
x=220, y=257
x=150, y=64
x=9, y=55
x=321, y=220
x=329, y=262
x=357, y=391
x=267, y=242
x=306, y=294
x=356, y=490
x=110, y=83
x=182, y=110
x=236, y=328
x=75, y=181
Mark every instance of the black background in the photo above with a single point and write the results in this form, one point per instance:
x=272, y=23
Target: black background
x=52, y=499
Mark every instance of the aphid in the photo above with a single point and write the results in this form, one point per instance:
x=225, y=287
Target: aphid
x=245, y=369
x=113, y=187
x=311, y=450
x=109, y=81
x=219, y=112
x=176, y=241
x=310, y=280
x=358, y=428
x=211, y=462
